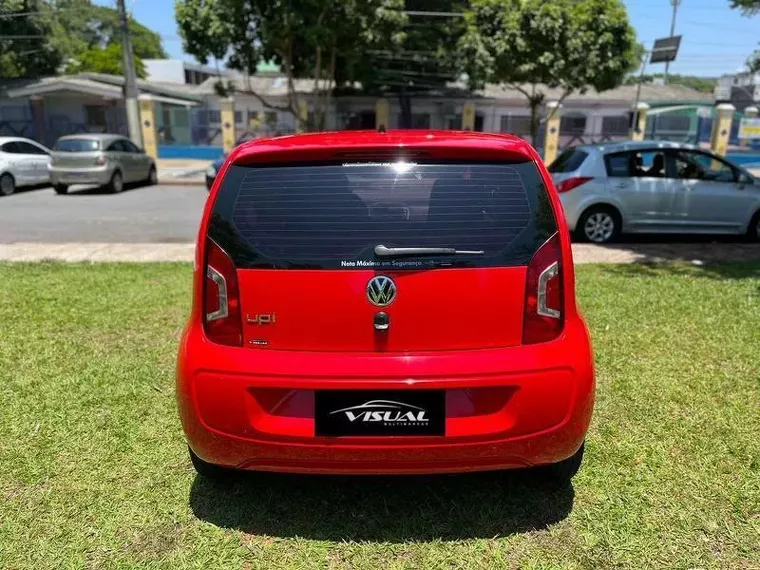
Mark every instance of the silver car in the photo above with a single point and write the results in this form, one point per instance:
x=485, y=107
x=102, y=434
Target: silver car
x=654, y=187
x=106, y=160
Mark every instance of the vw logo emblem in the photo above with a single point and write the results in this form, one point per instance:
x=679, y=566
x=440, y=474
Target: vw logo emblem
x=381, y=291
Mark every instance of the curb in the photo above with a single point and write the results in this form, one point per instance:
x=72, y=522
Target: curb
x=182, y=182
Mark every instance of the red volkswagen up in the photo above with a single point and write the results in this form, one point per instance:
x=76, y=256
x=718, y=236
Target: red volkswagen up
x=370, y=302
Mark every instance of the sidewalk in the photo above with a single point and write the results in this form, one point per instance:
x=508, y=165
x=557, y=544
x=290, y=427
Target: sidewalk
x=181, y=171
x=695, y=253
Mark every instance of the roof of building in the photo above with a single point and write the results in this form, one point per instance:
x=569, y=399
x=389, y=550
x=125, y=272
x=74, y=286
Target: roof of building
x=99, y=84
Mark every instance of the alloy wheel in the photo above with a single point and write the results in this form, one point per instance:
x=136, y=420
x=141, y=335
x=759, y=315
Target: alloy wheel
x=599, y=227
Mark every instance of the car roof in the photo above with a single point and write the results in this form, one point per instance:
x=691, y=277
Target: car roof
x=354, y=145
x=90, y=136
x=4, y=140
x=618, y=146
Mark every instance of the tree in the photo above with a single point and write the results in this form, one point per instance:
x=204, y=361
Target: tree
x=532, y=45
x=25, y=49
x=80, y=26
x=99, y=60
x=317, y=39
x=748, y=7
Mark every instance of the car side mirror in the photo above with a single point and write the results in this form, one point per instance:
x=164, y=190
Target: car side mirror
x=744, y=179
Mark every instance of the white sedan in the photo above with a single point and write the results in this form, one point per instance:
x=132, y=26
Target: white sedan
x=23, y=162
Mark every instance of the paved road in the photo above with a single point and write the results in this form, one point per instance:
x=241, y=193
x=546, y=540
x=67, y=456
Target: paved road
x=157, y=214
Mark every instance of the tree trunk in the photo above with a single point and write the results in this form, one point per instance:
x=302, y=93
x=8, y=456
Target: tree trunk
x=534, y=120
x=405, y=102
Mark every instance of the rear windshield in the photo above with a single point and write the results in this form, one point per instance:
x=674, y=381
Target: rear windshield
x=569, y=161
x=333, y=216
x=77, y=145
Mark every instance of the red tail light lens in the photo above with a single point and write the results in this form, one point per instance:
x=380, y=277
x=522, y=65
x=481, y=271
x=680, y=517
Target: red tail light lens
x=221, y=298
x=100, y=161
x=570, y=183
x=544, y=294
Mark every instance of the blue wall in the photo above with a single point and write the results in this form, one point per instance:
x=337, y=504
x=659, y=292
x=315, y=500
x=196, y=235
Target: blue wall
x=190, y=151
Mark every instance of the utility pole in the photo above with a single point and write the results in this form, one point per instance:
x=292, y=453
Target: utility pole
x=130, y=78
x=672, y=31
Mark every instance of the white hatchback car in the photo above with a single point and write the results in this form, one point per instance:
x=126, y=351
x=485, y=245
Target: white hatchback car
x=23, y=162
x=654, y=187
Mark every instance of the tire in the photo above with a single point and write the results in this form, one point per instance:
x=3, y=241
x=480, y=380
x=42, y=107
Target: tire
x=753, y=230
x=210, y=471
x=599, y=224
x=116, y=184
x=60, y=188
x=7, y=184
x=562, y=473
x=152, y=176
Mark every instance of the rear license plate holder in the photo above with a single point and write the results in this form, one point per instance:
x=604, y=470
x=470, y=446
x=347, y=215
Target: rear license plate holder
x=346, y=413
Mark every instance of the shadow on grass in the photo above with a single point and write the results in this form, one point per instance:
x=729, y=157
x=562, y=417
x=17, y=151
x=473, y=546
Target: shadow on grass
x=717, y=270
x=394, y=509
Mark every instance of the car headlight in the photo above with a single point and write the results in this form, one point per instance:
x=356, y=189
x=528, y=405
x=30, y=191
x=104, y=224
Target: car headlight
x=211, y=172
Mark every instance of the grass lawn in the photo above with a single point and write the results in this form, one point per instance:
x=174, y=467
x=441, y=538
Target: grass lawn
x=94, y=472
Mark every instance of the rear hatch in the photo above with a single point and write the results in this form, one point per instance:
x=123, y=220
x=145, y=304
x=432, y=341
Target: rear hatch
x=76, y=153
x=313, y=245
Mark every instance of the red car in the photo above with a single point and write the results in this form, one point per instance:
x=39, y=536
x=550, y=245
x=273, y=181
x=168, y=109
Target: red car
x=372, y=302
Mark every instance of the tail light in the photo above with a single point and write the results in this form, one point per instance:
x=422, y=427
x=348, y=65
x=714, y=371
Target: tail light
x=544, y=294
x=221, y=298
x=569, y=183
x=100, y=161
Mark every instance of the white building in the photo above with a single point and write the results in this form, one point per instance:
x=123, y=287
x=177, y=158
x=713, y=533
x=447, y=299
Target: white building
x=179, y=71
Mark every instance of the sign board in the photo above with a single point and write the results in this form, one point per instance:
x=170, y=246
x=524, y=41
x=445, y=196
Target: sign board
x=749, y=129
x=665, y=49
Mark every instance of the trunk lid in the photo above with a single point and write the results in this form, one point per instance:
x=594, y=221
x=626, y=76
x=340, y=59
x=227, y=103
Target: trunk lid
x=303, y=240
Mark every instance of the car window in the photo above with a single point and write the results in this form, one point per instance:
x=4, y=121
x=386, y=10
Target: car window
x=10, y=147
x=332, y=216
x=116, y=146
x=77, y=145
x=569, y=161
x=129, y=146
x=693, y=165
x=618, y=164
x=647, y=164
x=28, y=148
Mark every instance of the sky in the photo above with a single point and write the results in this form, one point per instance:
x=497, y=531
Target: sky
x=716, y=39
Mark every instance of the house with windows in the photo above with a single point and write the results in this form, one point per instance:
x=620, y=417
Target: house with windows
x=188, y=116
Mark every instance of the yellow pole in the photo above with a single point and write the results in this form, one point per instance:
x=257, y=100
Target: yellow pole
x=468, y=117
x=148, y=124
x=640, y=128
x=721, y=131
x=382, y=114
x=749, y=113
x=303, y=115
x=227, y=107
x=551, y=140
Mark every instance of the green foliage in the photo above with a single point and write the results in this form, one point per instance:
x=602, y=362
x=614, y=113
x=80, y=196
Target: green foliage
x=30, y=56
x=748, y=7
x=82, y=25
x=569, y=44
x=68, y=32
x=702, y=84
x=103, y=60
x=326, y=40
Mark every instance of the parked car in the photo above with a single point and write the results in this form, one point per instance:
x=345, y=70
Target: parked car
x=106, y=160
x=397, y=302
x=23, y=162
x=654, y=187
x=215, y=166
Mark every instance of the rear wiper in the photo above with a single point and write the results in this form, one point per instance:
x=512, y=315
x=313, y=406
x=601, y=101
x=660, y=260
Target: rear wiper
x=382, y=251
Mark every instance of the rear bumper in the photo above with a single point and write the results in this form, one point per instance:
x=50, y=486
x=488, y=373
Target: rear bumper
x=100, y=175
x=506, y=408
